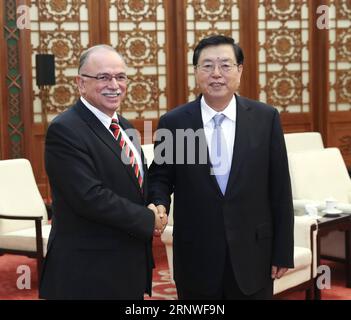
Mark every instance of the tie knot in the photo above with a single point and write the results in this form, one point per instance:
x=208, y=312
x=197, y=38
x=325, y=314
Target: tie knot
x=114, y=121
x=218, y=119
x=114, y=127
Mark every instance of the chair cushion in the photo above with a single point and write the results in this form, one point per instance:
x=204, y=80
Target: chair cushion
x=24, y=239
x=300, y=274
x=302, y=258
x=291, y=280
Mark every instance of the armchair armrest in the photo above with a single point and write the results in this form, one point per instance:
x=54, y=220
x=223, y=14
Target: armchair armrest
x=12, y=217
x=305, y=235
x=302, y=231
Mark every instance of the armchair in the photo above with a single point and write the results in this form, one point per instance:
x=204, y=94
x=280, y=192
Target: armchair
x=315, y=176
x=24, y=227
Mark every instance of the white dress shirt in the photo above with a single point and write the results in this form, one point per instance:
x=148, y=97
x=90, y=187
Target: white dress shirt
x=106, y=121
x=228, y=124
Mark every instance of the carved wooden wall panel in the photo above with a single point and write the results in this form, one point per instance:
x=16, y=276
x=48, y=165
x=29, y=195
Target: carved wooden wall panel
x=283, y=55
x=59, y=28
x=339, y=124
x=289, y=62
x=138, y=32
x=340, y=55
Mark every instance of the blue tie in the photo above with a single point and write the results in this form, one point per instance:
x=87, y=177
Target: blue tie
x=219, y=155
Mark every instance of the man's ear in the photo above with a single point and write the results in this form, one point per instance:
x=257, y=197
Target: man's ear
x=80, y=83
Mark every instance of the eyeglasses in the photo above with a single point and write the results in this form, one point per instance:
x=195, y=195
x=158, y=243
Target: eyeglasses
x=210, y=67
x=106, y=77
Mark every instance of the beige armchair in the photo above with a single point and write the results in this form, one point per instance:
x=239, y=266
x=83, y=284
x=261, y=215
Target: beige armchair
x=24, y=227
x=317, y=175
x=333, y=244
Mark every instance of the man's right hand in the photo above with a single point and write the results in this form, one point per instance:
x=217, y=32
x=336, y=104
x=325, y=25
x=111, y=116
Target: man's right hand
x=159, y=227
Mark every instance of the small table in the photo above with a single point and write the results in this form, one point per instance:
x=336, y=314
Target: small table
x=326, y=225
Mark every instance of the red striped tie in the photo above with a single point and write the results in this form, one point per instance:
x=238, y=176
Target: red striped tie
x=116, y=129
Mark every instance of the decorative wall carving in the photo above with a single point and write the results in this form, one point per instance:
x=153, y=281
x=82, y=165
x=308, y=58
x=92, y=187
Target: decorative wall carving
x=340, y=55
x=283, y=56
x=137, y=31
x=58, y=27
x=204, y=18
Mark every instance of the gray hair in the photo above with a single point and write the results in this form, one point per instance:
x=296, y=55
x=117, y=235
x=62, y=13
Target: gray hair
x=86, y=53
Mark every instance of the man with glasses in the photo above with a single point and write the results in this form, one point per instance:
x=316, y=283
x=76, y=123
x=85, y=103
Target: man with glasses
x=233, y=213
x=100, y=242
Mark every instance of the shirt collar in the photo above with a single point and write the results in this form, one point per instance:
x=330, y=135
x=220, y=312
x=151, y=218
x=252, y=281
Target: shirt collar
x=104, y=118
x=208, y=113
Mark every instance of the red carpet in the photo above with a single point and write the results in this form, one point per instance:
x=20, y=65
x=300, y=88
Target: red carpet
x=163, y=289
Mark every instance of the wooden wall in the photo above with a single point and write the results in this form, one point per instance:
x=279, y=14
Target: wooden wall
x=290, y=62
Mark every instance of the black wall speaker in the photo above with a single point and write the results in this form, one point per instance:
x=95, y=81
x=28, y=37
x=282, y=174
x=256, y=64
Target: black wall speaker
x=45, y=69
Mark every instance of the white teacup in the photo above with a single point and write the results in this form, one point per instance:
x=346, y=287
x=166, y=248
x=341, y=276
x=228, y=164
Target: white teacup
x=330, y=205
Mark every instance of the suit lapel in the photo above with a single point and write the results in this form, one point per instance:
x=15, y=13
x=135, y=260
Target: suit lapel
x=100, y=131
x=241, y=141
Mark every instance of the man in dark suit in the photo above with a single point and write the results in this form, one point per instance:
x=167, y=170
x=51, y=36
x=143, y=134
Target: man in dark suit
x=100, y=243
x=233, y=227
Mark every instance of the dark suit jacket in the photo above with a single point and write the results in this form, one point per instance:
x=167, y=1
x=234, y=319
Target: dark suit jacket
x=100, y=242
x=254, y=218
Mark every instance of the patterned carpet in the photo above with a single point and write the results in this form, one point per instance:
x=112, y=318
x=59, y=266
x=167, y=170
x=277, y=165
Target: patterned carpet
x=163, y=288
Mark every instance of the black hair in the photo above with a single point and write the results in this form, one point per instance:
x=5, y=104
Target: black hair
x=217, y=40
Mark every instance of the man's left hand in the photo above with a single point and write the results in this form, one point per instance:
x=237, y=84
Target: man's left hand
x=278, y=272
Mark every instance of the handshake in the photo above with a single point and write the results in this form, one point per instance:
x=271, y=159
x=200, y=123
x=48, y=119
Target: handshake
x=161, y=218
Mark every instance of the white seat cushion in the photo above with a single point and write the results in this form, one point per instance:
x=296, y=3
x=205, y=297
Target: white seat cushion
x=24, y=239
x=300, y=274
